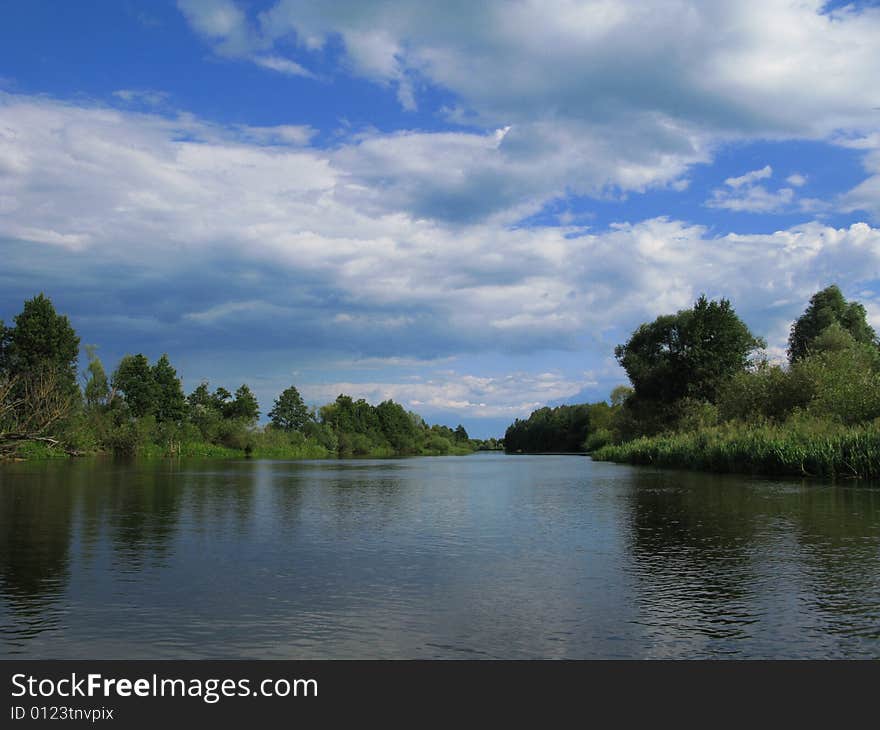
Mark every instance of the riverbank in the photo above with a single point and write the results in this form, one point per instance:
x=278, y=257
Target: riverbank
x=809, y=449
x=37, y=451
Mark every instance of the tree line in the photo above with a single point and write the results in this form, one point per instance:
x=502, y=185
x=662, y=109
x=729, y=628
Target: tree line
x=141, y=408
x=702, y=371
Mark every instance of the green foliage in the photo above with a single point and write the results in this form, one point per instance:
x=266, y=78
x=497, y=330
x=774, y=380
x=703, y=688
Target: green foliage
x=597, y=439
x=688, y=354
x=799, y=448
x=97, y=388
x=134, y=380
x=398, y=428
x=560, y=429
x=169, y=403
x=244, y=406
x=41, y=338
x=826, y=308
x=843, y=385
x=767, y=392
x=290, y=413
x=38, y=450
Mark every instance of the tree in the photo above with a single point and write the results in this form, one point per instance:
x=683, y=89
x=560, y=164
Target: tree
x=619, y=395
x=222, y=400
x=244, y=406
x=134, y=379
x=688, y=354
x=31, y=405
x=200, y=399
x=42, y=338
x=460, y=434
x=289, y=412
x=170, y=405
x=97, y=388
x=828, y=307
x=397, y=427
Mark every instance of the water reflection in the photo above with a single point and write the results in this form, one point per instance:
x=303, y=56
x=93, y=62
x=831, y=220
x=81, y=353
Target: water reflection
x=733, y=566
x=483, y=556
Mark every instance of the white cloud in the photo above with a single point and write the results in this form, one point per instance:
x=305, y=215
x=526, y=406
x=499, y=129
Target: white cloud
x=749, y=177
x=743, y=194
x=142, y=96
x=509, y=396
x=768, y=67
x=600, y=95
x=796, y=180
x=283, y=65
x=127, y=196
x=866, y=195
x=755, y=199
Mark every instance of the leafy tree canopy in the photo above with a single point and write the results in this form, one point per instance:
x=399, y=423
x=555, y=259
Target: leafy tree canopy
x=688, y=354
x=134, y=379
x=170, y=403
x=289, y=412
x=244, y=406
x=41, y=337
x=826, y=308
x=97, y=388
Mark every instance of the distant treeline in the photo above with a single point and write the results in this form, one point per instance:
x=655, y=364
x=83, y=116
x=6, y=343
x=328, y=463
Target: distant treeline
x=48, y=408
x=704, y=395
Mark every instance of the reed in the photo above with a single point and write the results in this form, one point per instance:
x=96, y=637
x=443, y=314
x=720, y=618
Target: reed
x=804, y=448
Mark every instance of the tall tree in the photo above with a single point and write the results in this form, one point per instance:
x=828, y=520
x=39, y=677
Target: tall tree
x=170, y=403
x=97, y=388
x=42, y=338
x=289, y=412
x=688, y=354
x=244, y=405
x=828, y=307
x=200, y=399
x=134, y=379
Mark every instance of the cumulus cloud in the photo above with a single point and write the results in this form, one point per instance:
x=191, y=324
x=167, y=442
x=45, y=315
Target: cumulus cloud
x=202, y=235
x=866, y=195
x=742, y=193
x=510, y=396
x=718, y=65
x=599, y=96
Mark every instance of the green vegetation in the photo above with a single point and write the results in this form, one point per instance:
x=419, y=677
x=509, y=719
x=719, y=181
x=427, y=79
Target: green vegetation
x=559, y=430
x=142, y=409
x=806, y=448
x=704, y=397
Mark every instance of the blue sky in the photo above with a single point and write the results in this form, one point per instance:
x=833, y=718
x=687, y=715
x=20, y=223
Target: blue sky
x=462, y=206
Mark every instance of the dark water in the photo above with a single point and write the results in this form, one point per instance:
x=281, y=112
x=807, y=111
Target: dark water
x=479, y=556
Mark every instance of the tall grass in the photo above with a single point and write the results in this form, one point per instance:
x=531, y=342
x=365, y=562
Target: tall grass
x=798, y=448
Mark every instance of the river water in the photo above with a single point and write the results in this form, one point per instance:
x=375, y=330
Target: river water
x=483, y=556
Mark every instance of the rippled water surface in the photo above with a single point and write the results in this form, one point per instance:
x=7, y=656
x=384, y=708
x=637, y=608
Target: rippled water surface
x=452, y=557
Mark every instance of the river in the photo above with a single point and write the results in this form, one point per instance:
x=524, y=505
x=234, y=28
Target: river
x=483, y=556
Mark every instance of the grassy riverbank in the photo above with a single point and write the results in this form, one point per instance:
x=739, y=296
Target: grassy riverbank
x=794, y=449
x=37, y=451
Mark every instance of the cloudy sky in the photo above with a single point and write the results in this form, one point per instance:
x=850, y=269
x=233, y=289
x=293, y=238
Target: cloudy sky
x=462, y=206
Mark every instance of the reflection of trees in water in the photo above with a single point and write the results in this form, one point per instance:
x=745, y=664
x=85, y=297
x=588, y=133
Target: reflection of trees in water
x=838, y=531
x=714, y=555
x=690, y=538
x=219, y=496
x=144, y=511
x=36, y=509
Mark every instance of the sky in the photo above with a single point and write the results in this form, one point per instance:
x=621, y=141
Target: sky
x=461, y=206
